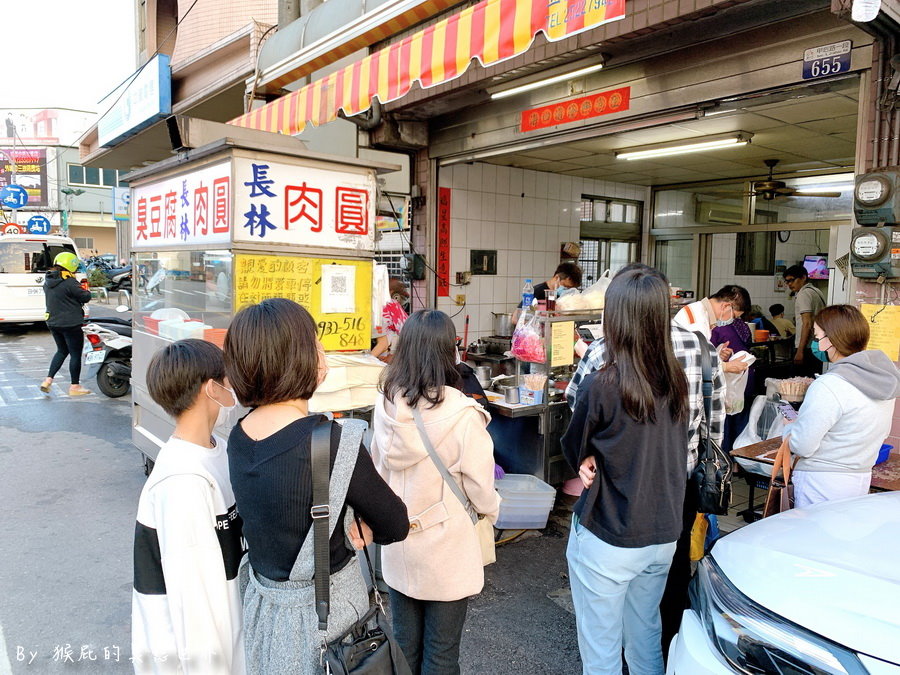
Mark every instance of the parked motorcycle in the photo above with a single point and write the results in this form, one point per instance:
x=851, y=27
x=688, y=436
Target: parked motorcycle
x=119, y=279
x=107, y=354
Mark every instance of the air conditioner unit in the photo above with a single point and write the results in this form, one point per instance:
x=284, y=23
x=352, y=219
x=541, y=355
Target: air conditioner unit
x=715, y=213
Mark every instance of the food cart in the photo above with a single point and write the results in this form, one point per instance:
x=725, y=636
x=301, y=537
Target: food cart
x=230, y=224
x=527, y=434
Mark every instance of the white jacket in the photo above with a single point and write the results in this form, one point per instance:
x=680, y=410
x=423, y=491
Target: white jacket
x=441, y=557
x=846, y=415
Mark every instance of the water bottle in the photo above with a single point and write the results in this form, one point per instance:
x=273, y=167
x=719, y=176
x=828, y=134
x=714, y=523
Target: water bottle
x=527, y=294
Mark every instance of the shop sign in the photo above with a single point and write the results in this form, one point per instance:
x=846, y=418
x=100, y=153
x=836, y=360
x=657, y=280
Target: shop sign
x=146, y=99
x=337, y=293
x=576, y=109
x=183, y=210
x=121, y=200
x=31, y=172
x=827, y=60
x=290, y=204
x=443, y=243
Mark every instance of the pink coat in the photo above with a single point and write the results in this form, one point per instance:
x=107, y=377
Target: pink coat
x=441, y=558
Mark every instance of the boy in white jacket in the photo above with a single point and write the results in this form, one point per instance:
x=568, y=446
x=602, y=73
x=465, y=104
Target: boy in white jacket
x=186, y=605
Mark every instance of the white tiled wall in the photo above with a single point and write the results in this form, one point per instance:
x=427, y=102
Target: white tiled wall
x=762, y=288
x=522, y=214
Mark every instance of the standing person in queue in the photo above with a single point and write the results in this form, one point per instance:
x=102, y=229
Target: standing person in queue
x=274, y=363
x=433, y=572
x=846, y=413
x=65, y=315
x=718, y=310
x=808, y=301
x=628, y=439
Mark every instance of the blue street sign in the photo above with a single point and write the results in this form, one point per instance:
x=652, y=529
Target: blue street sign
x=38, y=225
x=14, y=196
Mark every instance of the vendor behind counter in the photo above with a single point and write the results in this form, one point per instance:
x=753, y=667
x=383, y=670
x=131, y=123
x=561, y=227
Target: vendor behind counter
x=567, y=275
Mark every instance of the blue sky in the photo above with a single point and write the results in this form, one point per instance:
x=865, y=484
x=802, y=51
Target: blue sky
x=71, y=52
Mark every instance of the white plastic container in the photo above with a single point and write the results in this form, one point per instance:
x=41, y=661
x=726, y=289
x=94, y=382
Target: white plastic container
x=527, y=502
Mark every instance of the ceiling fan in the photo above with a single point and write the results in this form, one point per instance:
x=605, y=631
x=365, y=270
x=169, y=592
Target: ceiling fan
x=770, y=188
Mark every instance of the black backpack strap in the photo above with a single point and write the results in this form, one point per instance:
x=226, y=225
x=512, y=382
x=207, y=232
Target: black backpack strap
x=320, y=455
x=706, y=368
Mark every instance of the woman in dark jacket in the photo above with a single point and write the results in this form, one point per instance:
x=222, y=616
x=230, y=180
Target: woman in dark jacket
x=65, y=314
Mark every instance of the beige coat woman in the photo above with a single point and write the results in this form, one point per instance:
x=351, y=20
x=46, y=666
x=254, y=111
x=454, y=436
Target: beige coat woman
x=441, y=558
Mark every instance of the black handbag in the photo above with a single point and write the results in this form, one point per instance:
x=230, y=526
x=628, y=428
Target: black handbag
x=368, y=647
x=711, y=480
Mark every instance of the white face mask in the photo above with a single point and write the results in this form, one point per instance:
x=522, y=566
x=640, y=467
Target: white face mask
x=223, y=419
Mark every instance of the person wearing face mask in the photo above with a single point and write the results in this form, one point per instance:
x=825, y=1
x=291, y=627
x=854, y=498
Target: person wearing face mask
x=186, y=603
x=274, y=362
x=846, y=413
x=718, y=310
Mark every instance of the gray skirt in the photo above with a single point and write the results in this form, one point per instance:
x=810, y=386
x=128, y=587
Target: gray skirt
x=281, y=630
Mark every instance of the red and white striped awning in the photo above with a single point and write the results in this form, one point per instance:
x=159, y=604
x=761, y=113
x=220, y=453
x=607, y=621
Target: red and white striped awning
x=490, y=31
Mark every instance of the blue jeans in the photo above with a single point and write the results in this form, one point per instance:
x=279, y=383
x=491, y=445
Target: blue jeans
x=429, y=632
x=616, y=593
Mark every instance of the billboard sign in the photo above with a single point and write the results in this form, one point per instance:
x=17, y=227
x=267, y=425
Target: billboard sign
x=121, y=199
x=146, y=99
x=31, y=172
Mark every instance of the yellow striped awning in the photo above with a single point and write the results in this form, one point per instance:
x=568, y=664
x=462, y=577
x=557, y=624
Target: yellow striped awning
x=490, y=31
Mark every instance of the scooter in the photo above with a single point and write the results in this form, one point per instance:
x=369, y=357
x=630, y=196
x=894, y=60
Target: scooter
x=119, y=279
x=107, y=354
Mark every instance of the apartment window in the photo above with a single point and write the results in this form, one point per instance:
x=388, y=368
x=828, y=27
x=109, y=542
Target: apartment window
x=755, y=253
x=83, y=175
x=84, y=243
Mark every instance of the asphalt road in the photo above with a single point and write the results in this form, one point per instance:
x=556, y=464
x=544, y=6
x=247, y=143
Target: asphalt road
x=69, y=484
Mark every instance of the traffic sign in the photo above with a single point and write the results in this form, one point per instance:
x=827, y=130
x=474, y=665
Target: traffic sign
x=38, y=225
x=11, y=228
x=14, y=196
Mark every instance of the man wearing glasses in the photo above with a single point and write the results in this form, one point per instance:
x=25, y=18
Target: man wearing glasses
x=808, y=301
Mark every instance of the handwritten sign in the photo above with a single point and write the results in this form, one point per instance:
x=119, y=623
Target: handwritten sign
x=884, y=328
x=562, y=343
x=277, y=202
x=183, y=210
x=258, y=277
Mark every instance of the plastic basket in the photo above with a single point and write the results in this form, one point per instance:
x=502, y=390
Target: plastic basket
x=527, y=502
x=152, y=325
x=216, y=336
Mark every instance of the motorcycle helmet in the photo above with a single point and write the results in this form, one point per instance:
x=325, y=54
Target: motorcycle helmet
x=67, y=260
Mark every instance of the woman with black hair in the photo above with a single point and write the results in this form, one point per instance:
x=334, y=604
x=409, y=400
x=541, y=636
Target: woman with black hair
x=628, y=439
x=438, y=567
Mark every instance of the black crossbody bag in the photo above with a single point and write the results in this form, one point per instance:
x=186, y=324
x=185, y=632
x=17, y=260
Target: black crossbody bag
x=711, y=479
x=368, y=647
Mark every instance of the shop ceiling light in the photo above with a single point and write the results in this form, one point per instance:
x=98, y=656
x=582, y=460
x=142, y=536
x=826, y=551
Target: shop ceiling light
x=734, y=140
x=546, y=82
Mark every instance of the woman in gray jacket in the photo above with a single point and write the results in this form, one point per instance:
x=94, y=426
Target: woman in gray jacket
x=846, y=413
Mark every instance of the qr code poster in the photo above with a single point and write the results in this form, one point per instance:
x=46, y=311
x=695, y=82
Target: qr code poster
x=338, y=289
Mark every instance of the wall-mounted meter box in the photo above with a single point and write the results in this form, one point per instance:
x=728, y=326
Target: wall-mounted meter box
x=875, y=252
x=876, y=197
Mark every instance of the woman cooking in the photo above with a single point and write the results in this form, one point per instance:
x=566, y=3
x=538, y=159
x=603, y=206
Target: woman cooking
x=847, y=412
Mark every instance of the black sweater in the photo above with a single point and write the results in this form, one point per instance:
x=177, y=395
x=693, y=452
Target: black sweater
x=637, y=496
x=64, y=297
x=272, y=485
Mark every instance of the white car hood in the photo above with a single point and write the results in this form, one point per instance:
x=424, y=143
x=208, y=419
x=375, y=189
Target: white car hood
x=833, y=568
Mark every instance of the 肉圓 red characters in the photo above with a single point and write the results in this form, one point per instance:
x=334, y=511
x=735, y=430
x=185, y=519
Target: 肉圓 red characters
x=201, y=209
x=221, y=205
x=303, y=202
x=352, y=212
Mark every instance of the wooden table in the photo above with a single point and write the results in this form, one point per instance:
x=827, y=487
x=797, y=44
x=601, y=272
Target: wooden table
x=885, y=476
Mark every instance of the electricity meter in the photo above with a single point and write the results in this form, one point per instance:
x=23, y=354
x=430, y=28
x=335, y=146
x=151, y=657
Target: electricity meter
x=875, y=252
x=876, y=198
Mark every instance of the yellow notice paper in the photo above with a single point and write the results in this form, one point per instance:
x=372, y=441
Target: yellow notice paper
x=884, y=328
x=562, y=343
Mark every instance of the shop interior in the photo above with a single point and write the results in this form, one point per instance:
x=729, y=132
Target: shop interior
x=706, y=219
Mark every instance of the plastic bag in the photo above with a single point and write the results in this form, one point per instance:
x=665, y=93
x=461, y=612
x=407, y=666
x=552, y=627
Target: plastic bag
x=527, y=341
x=736, y=385
x=698, y=537
x=569, y=302
x=594, y=296
x=764, y=422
